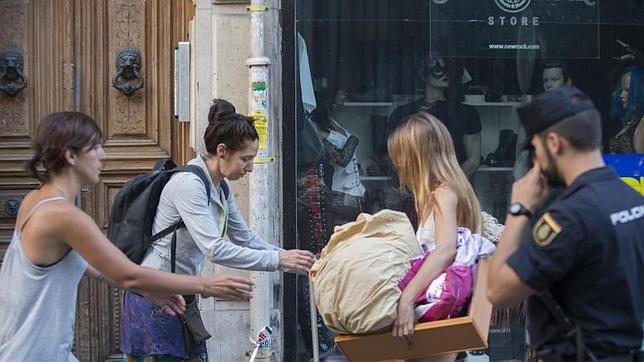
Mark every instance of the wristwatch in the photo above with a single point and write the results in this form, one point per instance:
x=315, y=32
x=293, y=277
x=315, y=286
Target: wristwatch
x=517, y=209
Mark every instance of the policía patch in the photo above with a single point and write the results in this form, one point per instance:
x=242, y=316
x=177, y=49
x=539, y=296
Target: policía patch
x=545, y=230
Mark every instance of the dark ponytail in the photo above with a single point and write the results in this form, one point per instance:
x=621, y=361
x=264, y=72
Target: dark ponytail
x=220, y=111
x=227, y=127
x=31, y=167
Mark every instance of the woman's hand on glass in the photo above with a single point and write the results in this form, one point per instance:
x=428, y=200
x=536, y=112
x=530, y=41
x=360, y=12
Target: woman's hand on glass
x=296, y=259
x=405, y=319
x=227, y=287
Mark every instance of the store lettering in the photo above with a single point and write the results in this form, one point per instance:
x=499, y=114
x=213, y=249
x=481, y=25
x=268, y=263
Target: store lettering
x=513, y=21
x=638, y=185
x=587, y=2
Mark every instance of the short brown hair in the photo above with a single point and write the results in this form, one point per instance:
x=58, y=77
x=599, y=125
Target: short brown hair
x=583, y=130
x=57, y=133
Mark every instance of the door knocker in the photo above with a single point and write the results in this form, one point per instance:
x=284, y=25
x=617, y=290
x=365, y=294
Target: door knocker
x=128, y=78
x=11, y=207
x=12, y=78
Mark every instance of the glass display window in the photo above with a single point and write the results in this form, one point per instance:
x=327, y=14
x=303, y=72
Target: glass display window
x=362, y=67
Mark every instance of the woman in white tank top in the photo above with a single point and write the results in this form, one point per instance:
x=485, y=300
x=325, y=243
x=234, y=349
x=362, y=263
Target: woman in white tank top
x=55, y=243
x=423, y=153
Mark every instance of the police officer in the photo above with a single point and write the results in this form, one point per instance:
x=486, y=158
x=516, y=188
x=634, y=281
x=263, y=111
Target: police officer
x=581, y=262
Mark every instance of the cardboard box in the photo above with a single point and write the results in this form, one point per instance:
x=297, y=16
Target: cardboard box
x=433, y=338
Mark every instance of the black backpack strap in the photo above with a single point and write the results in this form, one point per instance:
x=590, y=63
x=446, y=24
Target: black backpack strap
x=173, y=246
x=199, y=172
x=166, y=231
x=162, y=165
x=162, y=233
x=224, y=187
x=571, y=329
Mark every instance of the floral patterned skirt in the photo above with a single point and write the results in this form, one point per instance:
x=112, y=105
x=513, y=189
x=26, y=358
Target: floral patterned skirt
x=166, y=358
x=149, y=332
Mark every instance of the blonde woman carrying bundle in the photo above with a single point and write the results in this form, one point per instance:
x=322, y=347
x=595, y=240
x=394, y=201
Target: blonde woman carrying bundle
x=439, y=284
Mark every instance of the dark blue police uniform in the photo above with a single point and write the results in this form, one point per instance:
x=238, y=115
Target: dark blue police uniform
x=587, y=250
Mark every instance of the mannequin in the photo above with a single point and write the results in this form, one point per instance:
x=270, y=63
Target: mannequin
x=340, y=153
x=554, y=74
x=628, y=105
x=442, y=101
x=332, y=196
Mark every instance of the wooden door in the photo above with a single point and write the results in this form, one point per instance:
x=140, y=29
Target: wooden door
x=70, y=52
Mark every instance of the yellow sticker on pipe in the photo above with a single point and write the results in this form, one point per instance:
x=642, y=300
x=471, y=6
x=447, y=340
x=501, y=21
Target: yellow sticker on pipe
x=261, y=125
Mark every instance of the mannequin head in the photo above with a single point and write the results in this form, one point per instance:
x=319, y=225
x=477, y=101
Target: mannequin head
x=322, y=117
x=628, y=98
x=434, y=71
x=340, y=97
x=555, y=74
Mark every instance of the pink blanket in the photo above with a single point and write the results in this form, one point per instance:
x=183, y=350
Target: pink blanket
x=449, y=294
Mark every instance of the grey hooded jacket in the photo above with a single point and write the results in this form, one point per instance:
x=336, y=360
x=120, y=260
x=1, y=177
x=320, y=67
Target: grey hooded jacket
x=184, y=196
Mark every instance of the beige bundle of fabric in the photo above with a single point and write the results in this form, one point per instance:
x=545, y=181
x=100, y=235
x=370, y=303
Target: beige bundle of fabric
x=356, y=278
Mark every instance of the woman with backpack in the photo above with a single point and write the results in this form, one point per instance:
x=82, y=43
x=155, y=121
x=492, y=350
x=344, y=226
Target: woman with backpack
x=55, y=243
x=449, y=218
x=231, y=144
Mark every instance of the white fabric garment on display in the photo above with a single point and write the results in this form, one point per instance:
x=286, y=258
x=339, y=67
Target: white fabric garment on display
x=307, y=92
x=466, y=253
x=345, y=179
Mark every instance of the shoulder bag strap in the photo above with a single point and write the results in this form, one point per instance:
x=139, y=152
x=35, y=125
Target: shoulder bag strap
x=199, y=172
x=179, y=224
x=570, y=327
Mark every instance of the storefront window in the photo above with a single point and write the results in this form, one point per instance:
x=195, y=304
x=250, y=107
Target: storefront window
x=364, y=66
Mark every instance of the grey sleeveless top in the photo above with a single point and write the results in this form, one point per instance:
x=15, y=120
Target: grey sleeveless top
x=38, y=304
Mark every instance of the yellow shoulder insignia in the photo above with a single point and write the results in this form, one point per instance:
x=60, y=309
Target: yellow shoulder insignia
x=545, y=230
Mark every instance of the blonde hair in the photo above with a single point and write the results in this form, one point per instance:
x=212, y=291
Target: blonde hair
x=422, y=151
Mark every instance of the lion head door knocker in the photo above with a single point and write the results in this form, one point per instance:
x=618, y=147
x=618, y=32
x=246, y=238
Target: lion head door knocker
x=12, y=78
x=11, y=207
x=128, y=78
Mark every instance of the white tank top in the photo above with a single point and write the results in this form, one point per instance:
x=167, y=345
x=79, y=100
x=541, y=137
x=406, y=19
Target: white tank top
x=38, y=304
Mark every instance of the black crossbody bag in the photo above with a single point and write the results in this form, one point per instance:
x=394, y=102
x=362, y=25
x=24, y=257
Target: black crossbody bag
x=194, y=331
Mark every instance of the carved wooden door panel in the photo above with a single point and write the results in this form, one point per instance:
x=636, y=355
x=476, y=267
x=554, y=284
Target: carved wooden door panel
x=35, y=79
x=73, y=52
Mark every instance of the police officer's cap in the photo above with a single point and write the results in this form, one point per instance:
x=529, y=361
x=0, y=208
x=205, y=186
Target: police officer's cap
x=550, y=108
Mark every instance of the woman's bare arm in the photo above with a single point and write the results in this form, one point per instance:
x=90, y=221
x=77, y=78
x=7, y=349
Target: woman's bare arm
x=443, y=256
x=446, y=226
x=172, y=303
x=80, y=232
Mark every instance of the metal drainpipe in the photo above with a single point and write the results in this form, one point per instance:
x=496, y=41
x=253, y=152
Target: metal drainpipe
x=261, y=209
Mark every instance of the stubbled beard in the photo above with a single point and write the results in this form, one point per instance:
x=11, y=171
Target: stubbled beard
x=552, y=172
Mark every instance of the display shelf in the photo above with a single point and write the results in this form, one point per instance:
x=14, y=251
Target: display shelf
x=367, y=104
x=493, y=104
x=471, y=103
x=494, y=169
x=477, y=100
x=375, y=178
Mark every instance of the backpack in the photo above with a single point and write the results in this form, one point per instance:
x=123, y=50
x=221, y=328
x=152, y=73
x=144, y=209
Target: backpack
x=132, y=214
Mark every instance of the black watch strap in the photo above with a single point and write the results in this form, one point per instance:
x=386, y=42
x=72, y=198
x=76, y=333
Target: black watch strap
x=518, y=209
